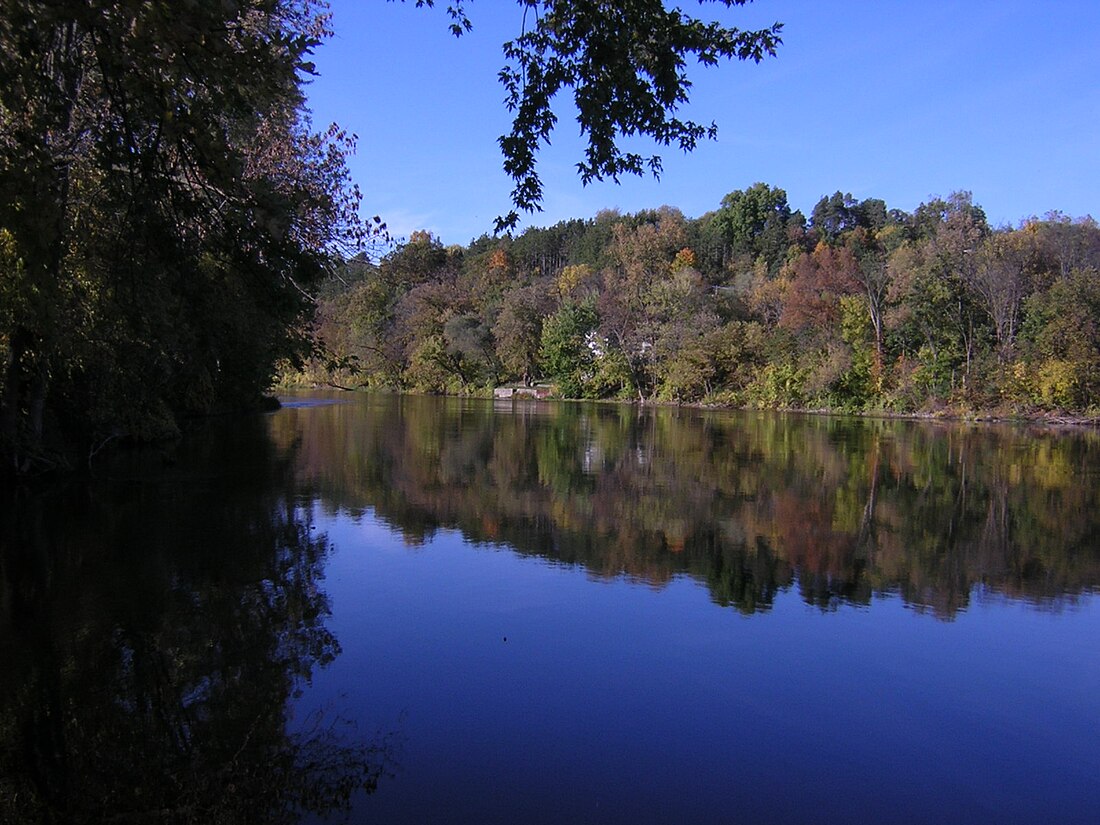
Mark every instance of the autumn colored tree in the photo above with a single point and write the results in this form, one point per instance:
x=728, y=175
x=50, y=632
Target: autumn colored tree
x=683, y=320
x=574, y=279
x=1067, y=244
x=817, y=283
x=898, y=312
x=629, y=302
x=814, y=310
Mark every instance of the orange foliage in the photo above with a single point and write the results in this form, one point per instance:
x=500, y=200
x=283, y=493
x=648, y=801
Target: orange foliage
x=817, y=283
x=685, y=259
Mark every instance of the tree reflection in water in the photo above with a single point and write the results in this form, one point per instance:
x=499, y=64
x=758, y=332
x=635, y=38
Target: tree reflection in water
x=751, y=504
x=154, y=624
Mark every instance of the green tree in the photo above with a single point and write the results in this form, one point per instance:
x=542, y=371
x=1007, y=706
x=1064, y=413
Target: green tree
x=1061, y=343
x=353, y=329
x=834, y=215
x=420, y=259
x=755, y=222
x=419, y=317
x=565, y=351
x=470, y=345
x=518, y=330
x=935, y=317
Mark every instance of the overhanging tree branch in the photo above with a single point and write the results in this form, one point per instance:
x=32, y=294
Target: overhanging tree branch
x=626, y=64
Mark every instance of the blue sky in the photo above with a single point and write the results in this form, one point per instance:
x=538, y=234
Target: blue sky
x=893, y=99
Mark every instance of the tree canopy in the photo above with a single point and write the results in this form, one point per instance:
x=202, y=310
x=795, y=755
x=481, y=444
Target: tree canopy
x=165, y=205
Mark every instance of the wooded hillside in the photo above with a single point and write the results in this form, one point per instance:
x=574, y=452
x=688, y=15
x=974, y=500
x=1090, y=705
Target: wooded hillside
x=857, y=307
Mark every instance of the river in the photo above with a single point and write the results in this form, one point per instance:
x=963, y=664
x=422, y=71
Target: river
x=404, y=609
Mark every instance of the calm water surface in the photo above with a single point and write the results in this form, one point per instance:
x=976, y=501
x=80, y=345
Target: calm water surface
x=416, y=610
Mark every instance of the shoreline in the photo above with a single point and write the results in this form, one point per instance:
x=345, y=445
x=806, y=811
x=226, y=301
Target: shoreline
x=1048, y=419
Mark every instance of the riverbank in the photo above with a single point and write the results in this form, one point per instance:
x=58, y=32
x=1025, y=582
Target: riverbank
x=946, y=413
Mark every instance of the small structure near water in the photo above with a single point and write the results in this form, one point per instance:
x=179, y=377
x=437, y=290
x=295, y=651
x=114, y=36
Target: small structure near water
x=508, y=393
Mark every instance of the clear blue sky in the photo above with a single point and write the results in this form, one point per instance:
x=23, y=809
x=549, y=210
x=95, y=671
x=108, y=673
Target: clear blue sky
x=894, y=99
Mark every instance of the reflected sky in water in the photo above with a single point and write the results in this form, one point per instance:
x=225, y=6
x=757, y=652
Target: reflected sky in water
x=527, y=687
x=548, y=686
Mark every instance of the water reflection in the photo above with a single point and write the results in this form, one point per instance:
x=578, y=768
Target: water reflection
x=750, y=504
x=154, y=625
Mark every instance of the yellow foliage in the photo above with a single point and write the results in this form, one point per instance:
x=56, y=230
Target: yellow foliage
x=768, y=295
x=571, y=277
x=499, y=260
x=1056, y=382
x=7, y=246
x=685, y=259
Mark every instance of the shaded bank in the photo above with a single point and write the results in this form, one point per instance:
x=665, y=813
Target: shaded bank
x=155, y=624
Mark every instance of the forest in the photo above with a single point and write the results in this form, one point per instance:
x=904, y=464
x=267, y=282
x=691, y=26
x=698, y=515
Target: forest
x=858, y=307
x=168, y=208
x=165, y=205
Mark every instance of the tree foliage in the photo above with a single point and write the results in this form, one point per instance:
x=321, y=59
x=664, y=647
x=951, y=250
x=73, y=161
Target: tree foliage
x=166, y=206
x=565, y=349
x=886, y=311
x=754, y=223
x=626, y=65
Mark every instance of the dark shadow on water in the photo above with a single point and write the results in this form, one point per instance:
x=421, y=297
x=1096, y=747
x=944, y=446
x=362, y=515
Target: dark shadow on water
x=155, y=624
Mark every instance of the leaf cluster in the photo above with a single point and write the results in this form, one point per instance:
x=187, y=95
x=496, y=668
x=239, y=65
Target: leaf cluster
x=626, y=65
